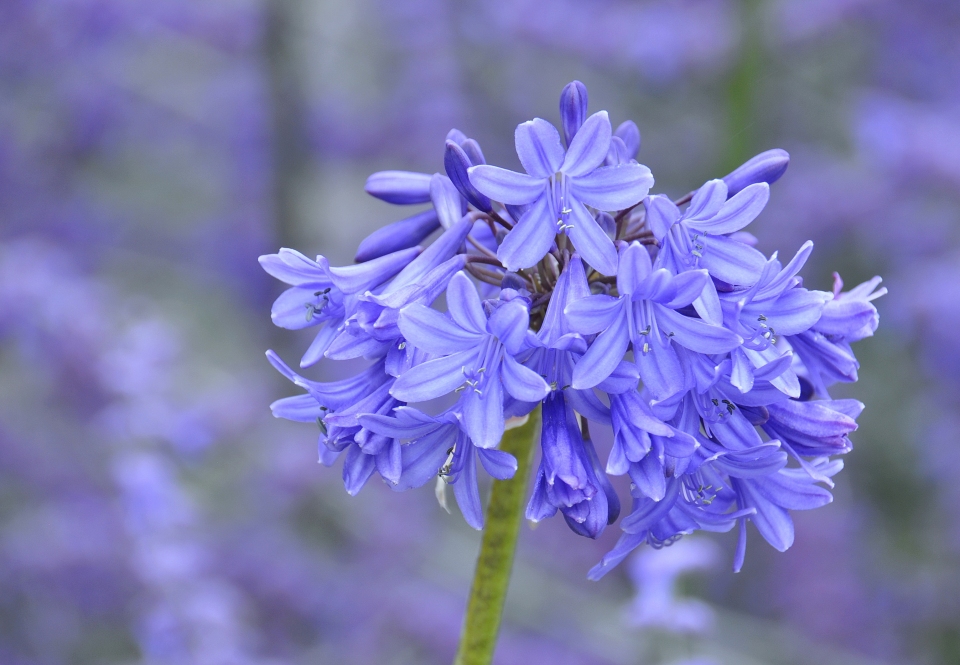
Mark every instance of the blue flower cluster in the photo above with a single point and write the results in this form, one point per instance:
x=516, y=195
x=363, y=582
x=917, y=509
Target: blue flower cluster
x=572, y=287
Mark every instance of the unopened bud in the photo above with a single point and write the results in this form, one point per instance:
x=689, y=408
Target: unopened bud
x=766, y=167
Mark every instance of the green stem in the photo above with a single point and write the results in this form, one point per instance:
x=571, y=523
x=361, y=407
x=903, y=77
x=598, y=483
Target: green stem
x=492, y=576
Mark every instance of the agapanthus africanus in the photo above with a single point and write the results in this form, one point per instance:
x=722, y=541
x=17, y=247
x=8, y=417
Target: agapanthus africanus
x=571, y=286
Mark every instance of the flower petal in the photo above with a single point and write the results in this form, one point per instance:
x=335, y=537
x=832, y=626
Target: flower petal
x=662, y=213
x=592, y=314
x=464, y=304
x=433, y=378
x=522, y=382
x=689, y=286
x=613, y=187
x=530, y=239
x=732, y=261
x=695, y=334
x=364, y=276
x=292, y=267
x=591, y=242
x=660, y=368
x=483, y=411
x=589, y=147
x=737, y=212
x=466, y=491
x=498, y=463
x=707, y=200
x=539, y=148
x=510, y=323
x=635, y=267
x=429, y=330
x=573, y=109
x=604, y=354
x=506, y=186
x=446, y=200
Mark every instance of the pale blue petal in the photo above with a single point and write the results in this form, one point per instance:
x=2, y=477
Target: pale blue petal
x=530, y=240
x=499, y=464
x=446, y=200
x=357, y=469
x=292, y=267
x=429, y=330
x=592, y=314
x=613, y=187
x=737, y=212
x=399, y=187
x=510, y=323
x=660, y=369
x=707, y=200
x=483, y=412
x=539, y=148
x=433, y=378
x=318, y=346
x=732, y=261
x=591, y=242
x=589, y=147
x=299, y=408
x=696, y=334
x=662, y=213
x=604, y=354
x=364, y=276
x=635, y=267
x=467, y=493
x=464, y=304
x=522, y=382
x=506, y=186
x=691, y=285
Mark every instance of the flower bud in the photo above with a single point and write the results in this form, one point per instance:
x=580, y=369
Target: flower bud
x=406, y=233
x=573, y=109
x=399, y=187
x=766, y=167
x=629, y=133
x=456, y=162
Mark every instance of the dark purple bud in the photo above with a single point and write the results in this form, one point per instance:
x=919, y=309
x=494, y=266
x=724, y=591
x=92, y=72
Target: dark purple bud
x=512, y=280
x=400, y=187
x=629, y=133
x=456, y=162
x=573, y=109
x=613, y=501
x=472, y=148
x=766, y=167
x=406, y=233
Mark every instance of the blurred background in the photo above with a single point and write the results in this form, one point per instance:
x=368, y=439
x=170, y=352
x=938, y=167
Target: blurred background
x=152, y=510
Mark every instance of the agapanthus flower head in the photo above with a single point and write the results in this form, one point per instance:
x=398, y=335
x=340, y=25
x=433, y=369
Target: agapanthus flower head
x=573, y=289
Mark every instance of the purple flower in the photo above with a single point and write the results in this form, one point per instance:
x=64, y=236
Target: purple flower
x=569, y=475
x=321, y=295
x=437, y=447
x=696, y=238
x=477, y=358
x=645, y=316
x=557, y=187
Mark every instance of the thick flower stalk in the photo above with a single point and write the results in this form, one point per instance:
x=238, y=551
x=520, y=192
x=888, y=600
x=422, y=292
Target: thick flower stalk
x=572, y=289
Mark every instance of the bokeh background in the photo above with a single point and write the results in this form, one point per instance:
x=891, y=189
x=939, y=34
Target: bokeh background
x=151, y=509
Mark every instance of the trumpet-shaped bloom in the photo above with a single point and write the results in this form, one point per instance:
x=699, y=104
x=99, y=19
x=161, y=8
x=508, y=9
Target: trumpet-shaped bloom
x=476, y=358
x=645, y=317
x=557, y=187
